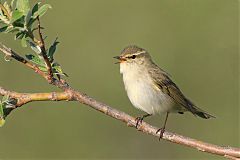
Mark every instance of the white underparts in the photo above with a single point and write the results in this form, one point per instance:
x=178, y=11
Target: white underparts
x=142, y=91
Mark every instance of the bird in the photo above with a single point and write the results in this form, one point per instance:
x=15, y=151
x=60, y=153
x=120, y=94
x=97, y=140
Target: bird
x=150, y=88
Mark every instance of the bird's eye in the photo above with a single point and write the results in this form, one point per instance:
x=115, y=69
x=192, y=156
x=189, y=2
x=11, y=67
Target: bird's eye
x=133, y=56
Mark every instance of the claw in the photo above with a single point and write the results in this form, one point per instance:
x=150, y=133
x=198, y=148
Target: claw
x=161, y=130
x=138, y=121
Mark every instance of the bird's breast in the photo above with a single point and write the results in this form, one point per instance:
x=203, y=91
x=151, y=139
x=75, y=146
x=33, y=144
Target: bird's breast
x=142, y=92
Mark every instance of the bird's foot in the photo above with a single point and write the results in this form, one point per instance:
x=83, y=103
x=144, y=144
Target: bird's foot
x=161, y=130
x=138, y=121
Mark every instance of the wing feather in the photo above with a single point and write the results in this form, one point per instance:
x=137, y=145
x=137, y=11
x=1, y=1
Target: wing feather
x=163, y=82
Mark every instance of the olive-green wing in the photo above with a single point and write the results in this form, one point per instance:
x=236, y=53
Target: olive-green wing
x=163, y=82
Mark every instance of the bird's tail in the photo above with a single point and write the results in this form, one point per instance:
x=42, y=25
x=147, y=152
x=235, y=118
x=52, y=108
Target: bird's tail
x=197, y=111
x=201, y=113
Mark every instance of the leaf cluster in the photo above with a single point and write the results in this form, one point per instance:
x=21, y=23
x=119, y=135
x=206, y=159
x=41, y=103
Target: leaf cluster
x=7, y=104
x=21, y=20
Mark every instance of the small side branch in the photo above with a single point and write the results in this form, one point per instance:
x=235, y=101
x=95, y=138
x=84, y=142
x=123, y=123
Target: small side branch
x=44, y=53
x=10, y=53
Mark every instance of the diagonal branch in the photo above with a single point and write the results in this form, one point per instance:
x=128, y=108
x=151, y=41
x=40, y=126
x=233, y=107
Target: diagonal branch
x=71, y=94
x=148, y=129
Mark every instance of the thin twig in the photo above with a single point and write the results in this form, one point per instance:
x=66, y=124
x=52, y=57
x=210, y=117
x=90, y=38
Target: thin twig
x=44, y=53
x=10, y=53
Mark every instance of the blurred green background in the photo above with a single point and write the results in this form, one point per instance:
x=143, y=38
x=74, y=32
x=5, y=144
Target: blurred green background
x=196, y=41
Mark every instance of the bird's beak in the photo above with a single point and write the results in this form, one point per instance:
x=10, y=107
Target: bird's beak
x=120, y=58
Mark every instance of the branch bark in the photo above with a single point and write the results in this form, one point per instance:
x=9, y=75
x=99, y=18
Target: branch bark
x=71, y=94
x=44, y=53
x=10, y=53
x=24, y=98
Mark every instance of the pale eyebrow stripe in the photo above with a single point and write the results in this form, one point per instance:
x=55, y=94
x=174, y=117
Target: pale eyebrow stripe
x=140, y=53
x=136, y=54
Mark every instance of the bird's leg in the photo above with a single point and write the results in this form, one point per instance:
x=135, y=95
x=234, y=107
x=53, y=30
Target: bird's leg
x=161, y=130
x=140, y=119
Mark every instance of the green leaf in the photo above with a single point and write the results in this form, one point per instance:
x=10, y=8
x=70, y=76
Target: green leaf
x=44, y=69
x=16, y=15
x=12, y=29
x=2, y=120
x=42, y=10
x=35, y=8
x=3, y=29
x=35, y=59
x=6, y=106
x=23, y=6
x=5, y=98
x=19, y=35
x=29, y=18
x=7, y=111
x=34, y=47
x=1, y=109
x=57, y=69
x=52, y=50
x=24, y=42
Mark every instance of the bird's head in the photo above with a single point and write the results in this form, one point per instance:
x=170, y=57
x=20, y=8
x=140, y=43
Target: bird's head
x=133, y=55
